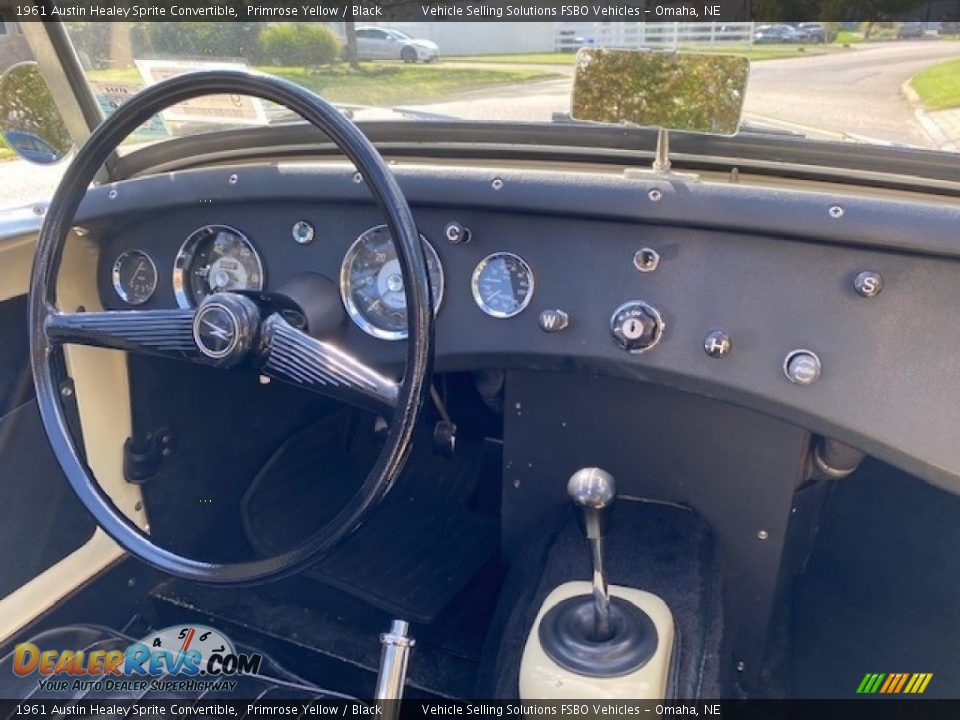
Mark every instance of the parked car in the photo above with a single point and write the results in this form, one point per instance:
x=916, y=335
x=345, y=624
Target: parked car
x=32, y=148
x=813, y=32
x=377, y=43
x=776, y=34
x=910, y=30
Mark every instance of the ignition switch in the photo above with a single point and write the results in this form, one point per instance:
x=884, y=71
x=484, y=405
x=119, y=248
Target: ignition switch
x=636, y=326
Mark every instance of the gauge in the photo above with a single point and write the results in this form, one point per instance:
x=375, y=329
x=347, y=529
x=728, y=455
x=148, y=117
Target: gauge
x=134, y=277
x=502, y=284
x=213, y=259
x=371, y=284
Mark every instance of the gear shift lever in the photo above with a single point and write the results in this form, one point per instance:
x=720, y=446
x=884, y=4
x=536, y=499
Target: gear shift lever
x=595, y=635
x=593, y=491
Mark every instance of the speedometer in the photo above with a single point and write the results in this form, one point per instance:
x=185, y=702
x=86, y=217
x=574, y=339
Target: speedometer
x=502, y=284
x=371, y=284
x=213, y=259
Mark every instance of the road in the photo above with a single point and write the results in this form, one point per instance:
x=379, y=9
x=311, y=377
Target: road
x=853, y=94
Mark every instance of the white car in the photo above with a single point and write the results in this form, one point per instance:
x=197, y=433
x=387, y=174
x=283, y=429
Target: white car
x=376, y=43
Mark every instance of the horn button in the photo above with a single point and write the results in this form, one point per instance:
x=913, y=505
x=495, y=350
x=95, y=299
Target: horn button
x=225, y=326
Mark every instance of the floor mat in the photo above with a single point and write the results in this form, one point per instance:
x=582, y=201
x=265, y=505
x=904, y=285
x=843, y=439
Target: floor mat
x=413, y=554
x=881, y=593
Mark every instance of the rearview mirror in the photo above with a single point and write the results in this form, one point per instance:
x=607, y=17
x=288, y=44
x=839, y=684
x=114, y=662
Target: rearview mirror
x=29, y=121
x=693, y=92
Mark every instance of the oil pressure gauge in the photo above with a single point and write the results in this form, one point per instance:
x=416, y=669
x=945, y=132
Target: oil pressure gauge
x=134, y=277
x=502, y=285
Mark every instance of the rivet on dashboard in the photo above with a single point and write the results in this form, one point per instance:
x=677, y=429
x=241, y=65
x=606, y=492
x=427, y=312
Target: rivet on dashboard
x=655, y=195
x=762, y=535
x=233, y=179
x=868, y=284
x=264, y=379
x=112, y=194
x=497, y=184
x=836, y=212
x=646, y=260
x=357, y=178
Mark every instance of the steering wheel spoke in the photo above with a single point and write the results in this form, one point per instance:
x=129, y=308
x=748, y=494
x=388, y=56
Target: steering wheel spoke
x=156, y=332
x=296, y=357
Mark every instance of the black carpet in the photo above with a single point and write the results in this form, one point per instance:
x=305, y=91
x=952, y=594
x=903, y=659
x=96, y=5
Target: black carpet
x=881, y=592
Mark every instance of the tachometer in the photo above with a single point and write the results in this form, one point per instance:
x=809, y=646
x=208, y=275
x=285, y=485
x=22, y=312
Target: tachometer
x=213, y=259
x=371, y=284
x=134, y=277
x=502, y=284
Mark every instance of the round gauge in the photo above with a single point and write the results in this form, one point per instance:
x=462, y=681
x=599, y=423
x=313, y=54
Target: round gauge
x=134, y=277
x=502, y=284
x=213, y=259
x=371, y=284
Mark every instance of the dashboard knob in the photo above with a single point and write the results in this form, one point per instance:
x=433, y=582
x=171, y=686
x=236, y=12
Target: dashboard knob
x=456, y=233
x=636, y=326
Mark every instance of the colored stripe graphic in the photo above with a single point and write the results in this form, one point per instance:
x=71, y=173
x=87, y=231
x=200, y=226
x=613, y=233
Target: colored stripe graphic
x=894, y=683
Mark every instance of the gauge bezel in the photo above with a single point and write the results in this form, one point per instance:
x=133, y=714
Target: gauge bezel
x=346, y=297
x=118, y=282
x=185, y=255
x=478, y=297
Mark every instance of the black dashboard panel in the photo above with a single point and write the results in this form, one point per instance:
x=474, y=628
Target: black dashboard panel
x=773, y=269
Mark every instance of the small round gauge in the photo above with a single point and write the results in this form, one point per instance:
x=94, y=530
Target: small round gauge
x=213, y=259
x=502, y=284
x=371, y=284
x=134, y=277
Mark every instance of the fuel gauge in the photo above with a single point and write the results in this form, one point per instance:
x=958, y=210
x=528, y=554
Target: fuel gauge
x=134, y=277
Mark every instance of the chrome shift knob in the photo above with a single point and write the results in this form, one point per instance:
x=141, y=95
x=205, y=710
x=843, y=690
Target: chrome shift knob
x=593, y=491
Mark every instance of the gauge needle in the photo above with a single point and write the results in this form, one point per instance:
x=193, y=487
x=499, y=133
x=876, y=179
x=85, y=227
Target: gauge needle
x=491, y=297
x=139, y=268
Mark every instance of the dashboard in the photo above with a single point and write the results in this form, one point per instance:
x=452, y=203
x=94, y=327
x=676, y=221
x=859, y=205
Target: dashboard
x=834, y=313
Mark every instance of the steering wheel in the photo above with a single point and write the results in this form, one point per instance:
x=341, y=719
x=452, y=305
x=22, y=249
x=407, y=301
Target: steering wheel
x=230, y=330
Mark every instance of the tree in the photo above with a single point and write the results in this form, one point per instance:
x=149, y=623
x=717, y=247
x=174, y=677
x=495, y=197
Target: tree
x=350, y=30
x=872, y=11
x=121, y=52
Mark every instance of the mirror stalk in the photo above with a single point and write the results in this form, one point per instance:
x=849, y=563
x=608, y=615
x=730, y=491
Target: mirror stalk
x=661, y=161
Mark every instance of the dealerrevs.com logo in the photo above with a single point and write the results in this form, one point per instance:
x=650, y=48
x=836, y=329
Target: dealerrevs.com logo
x=176, y=658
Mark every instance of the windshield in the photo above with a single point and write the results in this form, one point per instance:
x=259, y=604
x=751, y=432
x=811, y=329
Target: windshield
x=894, y=83
x=827, y=81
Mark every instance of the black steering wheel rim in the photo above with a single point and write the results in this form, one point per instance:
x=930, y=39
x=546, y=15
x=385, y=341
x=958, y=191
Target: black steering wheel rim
x=57, y=224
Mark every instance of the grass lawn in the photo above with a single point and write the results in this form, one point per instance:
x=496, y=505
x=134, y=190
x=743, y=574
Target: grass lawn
x=939, y=86
x=383, y=84
x=757, y=52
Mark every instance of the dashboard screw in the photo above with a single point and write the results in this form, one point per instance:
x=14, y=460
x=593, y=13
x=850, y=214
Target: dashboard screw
x=655, y=195
x=66, y=391
x=39, y=209
x=836, y=212
x=357, y=178
x=232, y=179
x=112, y=194
x=762, y=535
x=741, y=666
x=497, y=184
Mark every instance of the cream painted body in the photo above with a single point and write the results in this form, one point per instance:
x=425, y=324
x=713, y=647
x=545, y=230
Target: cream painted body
x=542, y=679
x=103, y=402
